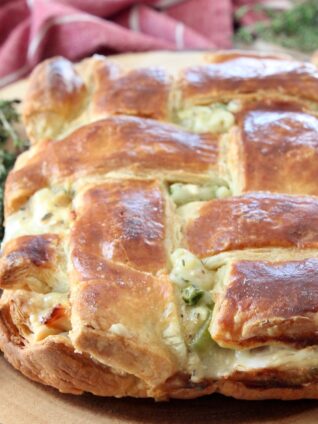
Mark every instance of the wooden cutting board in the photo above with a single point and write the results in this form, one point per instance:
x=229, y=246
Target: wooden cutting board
x=25, y=402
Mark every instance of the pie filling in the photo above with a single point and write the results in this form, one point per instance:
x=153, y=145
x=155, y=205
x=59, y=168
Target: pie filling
x=185, y=193
x=51, y=315
x=215, y=118
x=47, y=211
x=39, y=316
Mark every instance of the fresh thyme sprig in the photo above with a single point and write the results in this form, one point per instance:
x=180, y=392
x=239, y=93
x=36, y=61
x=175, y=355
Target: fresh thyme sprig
x=296, y=28
x=9, y=116
x=11, y=144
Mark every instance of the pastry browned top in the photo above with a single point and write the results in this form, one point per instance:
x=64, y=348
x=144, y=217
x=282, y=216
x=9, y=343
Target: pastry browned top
x=250, y=76
x=253, y=221
x=264, y=302
x=123, y=144
x=277, y=149
x=141, y=92
x=129, y=217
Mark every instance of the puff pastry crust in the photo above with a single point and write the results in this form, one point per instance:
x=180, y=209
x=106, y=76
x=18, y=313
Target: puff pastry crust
x=162, y=230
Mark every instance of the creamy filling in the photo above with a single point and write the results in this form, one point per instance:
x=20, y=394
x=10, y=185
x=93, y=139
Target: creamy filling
x=185, y=193
x=188, y=269
x=47, y=211
x=48, y=315
x=213, y=118
x=193, y=284
x=217, y=362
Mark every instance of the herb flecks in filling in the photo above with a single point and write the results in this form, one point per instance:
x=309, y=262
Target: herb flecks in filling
x=11, y=144
x=194, y=283
x=191, y=295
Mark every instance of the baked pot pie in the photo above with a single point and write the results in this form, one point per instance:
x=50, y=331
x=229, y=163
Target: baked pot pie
x=162, y=231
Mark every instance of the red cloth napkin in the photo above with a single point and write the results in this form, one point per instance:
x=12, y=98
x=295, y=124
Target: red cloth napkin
x=32, y=30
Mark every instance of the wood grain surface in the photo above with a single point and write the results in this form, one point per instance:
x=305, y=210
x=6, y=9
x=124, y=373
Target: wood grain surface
x=25, y=402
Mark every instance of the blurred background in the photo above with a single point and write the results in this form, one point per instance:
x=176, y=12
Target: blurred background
x=32, y=30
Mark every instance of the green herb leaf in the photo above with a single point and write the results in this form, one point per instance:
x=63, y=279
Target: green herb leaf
x=202, y=338
x=9, y=116
x=294, y=29
x=191, y=295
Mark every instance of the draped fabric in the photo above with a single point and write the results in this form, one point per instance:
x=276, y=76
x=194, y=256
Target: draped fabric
x=33, y=30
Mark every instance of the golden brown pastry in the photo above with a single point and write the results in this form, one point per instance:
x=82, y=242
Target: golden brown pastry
x=248, y=76
x=254, y=220
x=267, y=302
x=161, y=232
x=277, y=148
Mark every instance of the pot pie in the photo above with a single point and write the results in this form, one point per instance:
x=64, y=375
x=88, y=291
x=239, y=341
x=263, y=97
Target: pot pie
x=162, y=230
